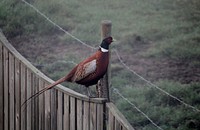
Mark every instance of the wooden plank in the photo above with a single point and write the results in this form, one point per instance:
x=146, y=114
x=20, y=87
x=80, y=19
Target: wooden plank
x=36, y=103
x=99, y=116
x=117, y=125
x=29, y=93
x=118, y=116
x=41, y=106
x=60, y=111
x=86, y=116
x=1, y=88
x=93, y=116
x=47, y=109
x=11, y=92
x=79, y=115
x=78, y=95
x=6, y=86
x=72, y=113
x=66, y=115
x=124, y=128
x=33, y=105
x=53, y=109
x=23, y=96
x=111, y=125
x=17, y=95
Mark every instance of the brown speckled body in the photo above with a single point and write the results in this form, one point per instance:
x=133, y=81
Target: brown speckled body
x=102, y=60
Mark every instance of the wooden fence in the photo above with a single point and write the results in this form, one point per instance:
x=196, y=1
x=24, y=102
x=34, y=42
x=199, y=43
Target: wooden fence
x=57, y=109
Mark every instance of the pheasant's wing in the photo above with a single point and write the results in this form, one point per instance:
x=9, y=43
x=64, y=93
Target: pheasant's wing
x=83, y=70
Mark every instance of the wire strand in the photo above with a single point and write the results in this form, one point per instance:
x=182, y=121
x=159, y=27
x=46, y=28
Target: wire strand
x=117, y=92
x=151, y=84
x=48, y=19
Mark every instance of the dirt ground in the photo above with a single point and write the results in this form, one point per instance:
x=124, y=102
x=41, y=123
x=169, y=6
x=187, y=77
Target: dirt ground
x=155, y=69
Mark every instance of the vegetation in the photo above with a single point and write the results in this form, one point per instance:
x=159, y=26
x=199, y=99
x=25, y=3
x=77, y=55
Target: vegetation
x=16, y=19
x=165, y=29
x=165, y=111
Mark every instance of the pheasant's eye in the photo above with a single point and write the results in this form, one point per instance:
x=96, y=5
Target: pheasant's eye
x=110, y=39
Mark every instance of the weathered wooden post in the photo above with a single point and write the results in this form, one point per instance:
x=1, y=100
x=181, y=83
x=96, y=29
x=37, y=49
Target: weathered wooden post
x=104, y=83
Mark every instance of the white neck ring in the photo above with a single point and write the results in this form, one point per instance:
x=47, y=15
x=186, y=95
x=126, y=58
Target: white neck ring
x=103, y=50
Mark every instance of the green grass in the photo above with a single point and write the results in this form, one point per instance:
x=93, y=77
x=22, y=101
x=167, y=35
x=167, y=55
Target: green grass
x=165, y=111
x=17, y=19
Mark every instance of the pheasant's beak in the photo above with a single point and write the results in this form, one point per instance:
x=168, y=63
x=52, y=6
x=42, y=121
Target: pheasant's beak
x=114, y=40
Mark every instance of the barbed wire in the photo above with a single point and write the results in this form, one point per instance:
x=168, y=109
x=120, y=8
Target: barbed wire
x=115, y=90
x=121, y=61
x=153, y=85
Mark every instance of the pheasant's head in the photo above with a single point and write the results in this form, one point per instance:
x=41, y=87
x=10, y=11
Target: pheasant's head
x=106, y=42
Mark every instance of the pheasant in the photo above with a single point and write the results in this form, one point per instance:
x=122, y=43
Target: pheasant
x=87, y=72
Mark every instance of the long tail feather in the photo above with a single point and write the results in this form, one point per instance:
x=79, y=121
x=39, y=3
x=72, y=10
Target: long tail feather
x=43, y=90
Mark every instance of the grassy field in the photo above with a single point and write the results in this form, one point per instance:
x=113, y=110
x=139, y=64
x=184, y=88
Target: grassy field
x=168, y=31
x=172, y=25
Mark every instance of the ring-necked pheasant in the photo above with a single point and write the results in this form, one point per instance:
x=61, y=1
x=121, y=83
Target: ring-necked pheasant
x=87, y=72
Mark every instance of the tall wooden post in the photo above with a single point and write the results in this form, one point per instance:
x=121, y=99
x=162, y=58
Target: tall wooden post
x=104, y=83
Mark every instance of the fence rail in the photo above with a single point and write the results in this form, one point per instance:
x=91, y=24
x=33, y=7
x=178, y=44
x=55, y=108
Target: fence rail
x=58, y=109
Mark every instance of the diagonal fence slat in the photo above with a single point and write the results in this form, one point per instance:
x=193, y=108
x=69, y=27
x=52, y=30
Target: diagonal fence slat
x=53, y=109
x=116, y=119
x=17, y=94
x=47, y=109
x=6, y=88
x=23, y=95
x=1, y=88
x=60, y=111
x=11, y=92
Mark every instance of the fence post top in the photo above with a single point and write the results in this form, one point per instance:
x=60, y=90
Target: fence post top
x=106, y=22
